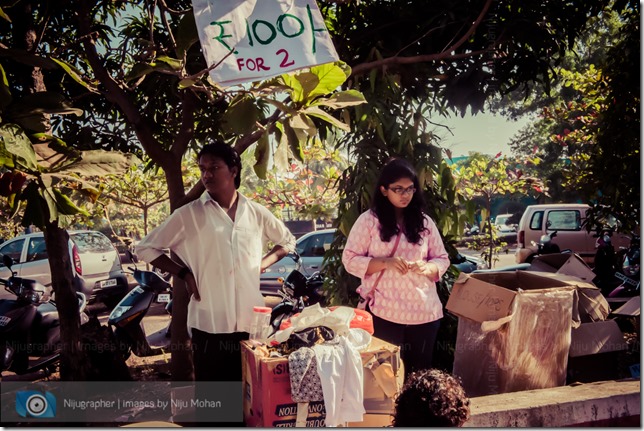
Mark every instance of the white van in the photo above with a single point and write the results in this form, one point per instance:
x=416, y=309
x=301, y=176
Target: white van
x=567, y=220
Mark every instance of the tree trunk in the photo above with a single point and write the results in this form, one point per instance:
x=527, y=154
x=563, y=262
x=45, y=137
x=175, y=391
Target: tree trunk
x=181, y=367
x=74, y=363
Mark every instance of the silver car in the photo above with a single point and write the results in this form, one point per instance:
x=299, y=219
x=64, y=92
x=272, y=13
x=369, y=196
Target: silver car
x=312, y=247
x=94, y=258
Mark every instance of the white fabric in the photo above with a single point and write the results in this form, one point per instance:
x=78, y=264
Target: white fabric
x=225, y=258
x=341, y=373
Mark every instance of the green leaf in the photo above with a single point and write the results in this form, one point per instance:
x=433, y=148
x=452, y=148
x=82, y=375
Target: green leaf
x=318, y=113
x=5, y=92
x=75, y=74
x=280, y=157
x=14, y=141
x=66, y=206
x=43, y=102
x=4, y=15
x=34, y=213
x=303, y=126
x=241, y=116
x=309, y=82
x=101, y=162
x=330, y=77
x=341, y=99
x=172, y=62
x=139, y=70
x=186, y=34
x=50, y=198
x=281, y=106
x=53, y=154
x=296, y=89
x=294, y=142
x=186, y=83
x=262, y=156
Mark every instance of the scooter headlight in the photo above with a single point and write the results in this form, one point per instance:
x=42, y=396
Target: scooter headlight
x=7, y=356
x=119, y=311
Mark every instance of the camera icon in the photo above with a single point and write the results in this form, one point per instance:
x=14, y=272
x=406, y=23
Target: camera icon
x=35, y=404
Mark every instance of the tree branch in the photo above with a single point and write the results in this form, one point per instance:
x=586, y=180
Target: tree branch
x=444, y=55
x=187, y=129
x=116, y=94
x=248, y=140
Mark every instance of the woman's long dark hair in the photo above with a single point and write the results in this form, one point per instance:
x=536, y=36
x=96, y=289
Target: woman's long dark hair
x=413, y=214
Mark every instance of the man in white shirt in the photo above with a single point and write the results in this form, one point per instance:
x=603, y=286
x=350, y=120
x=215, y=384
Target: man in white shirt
x=220, y=237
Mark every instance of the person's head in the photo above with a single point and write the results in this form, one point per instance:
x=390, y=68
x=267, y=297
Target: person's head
x=220, y=166
x=431, y=398
x=398, y=191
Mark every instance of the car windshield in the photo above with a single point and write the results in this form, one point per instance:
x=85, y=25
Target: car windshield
x=502, y=220
x=92, y=242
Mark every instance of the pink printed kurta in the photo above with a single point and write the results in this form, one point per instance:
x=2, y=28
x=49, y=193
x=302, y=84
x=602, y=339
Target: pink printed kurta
x=404, y=299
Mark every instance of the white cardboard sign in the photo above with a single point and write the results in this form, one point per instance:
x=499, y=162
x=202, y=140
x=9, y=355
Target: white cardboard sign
x=258, y=39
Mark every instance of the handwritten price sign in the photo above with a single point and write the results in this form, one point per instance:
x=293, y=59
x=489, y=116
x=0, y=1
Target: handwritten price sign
x=258, y=39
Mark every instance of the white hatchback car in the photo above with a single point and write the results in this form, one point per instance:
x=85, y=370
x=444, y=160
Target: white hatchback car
x=93, y=257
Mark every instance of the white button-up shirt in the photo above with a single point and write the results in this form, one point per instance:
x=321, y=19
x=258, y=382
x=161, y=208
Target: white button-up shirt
x=224, y=256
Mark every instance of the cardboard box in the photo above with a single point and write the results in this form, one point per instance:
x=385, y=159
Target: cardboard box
x=630, y=309
x=590, y=305
x=267, y=387
x=372, y=420
x=563, y=263
x=514, y=331
x=594, y=351
x=597, y=337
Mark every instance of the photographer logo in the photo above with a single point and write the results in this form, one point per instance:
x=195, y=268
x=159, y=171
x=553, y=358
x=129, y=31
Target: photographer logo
x=35, y=404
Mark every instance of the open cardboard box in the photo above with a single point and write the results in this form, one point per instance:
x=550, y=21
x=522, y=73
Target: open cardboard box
x=267, y=388
x=563, y=263
x=594, y=352
x=514, y=330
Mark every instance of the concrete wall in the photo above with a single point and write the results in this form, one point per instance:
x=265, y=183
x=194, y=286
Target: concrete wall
x=609, y=403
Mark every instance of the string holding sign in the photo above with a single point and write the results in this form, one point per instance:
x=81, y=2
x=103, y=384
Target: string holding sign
x=258, y=39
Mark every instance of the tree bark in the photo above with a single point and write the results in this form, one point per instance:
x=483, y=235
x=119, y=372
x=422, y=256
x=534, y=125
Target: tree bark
x=74, y=362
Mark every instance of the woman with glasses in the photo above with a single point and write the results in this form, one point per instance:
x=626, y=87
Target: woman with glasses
x=397, y=252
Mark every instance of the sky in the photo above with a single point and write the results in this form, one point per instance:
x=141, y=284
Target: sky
x=484, y=133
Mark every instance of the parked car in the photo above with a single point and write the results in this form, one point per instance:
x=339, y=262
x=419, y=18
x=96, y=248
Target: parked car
x=94, y=258
x=504, y=225
x=568, y=220
x=312, y=246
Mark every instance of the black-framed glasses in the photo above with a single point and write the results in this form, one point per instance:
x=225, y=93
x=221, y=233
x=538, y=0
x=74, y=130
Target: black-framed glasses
x=402, y=191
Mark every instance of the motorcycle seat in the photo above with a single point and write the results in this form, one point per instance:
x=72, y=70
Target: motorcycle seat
x=49, y=314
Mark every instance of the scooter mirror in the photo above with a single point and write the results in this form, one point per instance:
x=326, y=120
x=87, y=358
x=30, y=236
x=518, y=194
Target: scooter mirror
x=7, y=261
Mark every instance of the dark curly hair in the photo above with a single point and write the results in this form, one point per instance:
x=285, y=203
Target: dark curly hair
x=227, y=154
x=431, y=398
x=413, y=215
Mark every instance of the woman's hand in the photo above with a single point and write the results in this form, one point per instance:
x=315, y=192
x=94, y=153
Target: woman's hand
x=397, y=264
x=422, y=267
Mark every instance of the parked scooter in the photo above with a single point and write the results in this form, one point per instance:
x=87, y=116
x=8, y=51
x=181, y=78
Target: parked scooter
x=127, y=316
x=605, y=263
x=630, y=271
x=297, y=291
x=29, y=325
x=546, y=246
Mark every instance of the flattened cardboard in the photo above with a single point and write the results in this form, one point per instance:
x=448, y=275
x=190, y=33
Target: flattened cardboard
x=563, y=263
x=479, y=301
x=630, y=309
x=596, y=337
